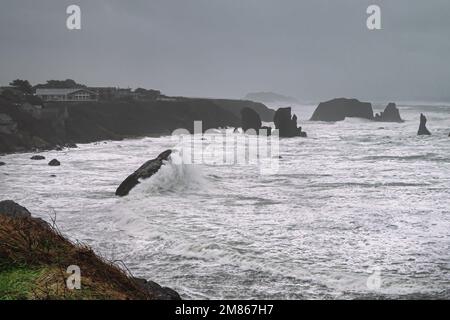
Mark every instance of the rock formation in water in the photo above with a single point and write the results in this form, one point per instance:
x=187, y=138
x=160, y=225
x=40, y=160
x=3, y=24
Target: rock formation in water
x=144, y=172
x=2, y=163
x=37, y=158
x=250, y=119
x=390, y=114
x=54, y=163
x=423, y=126
x=339, y=109
x=287, y=124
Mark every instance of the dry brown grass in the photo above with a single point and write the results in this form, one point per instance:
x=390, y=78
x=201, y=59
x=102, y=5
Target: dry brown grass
x=32, y=243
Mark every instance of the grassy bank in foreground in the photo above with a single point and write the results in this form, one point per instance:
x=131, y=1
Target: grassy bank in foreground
x=34, y=258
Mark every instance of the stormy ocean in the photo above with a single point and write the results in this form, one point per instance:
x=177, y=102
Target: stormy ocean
x=359, y=209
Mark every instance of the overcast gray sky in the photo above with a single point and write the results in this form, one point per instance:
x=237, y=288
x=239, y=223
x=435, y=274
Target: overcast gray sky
x=310, y=49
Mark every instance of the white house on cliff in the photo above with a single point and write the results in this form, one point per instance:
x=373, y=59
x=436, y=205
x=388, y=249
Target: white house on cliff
x=67, y=95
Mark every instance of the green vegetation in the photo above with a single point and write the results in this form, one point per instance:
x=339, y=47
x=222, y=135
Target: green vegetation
x=33, y=262
x=18, y=283
x=22, y=85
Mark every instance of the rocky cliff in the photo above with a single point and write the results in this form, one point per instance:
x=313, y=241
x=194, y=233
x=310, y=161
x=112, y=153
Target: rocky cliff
x=71, y=123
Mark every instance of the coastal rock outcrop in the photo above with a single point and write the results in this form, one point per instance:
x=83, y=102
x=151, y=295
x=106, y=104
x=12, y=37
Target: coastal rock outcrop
x=37, y=158
x=423, y=131
x=9, y=208
x=341, y=108
x=390, y=114
x=250, y=119
x=154, y=289
x=2, y=163
x=54, y=163
x=87, y=122
x=145, y=171
x=287, y=124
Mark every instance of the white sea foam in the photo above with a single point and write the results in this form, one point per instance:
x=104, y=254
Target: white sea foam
x=174, y=176
x=355, y=196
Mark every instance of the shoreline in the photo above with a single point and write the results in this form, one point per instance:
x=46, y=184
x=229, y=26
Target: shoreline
x=68, y=124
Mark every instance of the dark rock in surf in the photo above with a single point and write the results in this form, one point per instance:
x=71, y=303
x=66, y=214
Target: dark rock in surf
x=54, y=163
x=423, y=131
x=37, y=158
x=287, y=124
x=145, y=171
x=390, y=114
x=71, y=145
x=339, y=109
x=2, y=163
x=154, y=289
x=250, y=119
x=11, y=209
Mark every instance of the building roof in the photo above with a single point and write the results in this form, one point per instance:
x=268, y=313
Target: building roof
x=56, y=91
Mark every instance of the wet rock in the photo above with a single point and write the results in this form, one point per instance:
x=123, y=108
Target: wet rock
x=287, y=125
x=54, y=163
x=423, y=126
x=2, y=163
x=37, y=158
x=71, y=145
x=145, y=171
x=390, y=114
x=156, y=291
x=250, y=119
x=339, y=109
x=11, y=209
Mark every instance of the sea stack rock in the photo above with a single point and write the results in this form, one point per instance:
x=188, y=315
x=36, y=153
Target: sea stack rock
x=144, y=172
x=423, y=131
x=250, y=119
x=54, y=163
x=390, y=114
x=37, y=158
x=339, y=109
x=287, y=125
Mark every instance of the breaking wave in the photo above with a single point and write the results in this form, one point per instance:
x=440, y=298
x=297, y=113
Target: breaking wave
x=174, y=176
